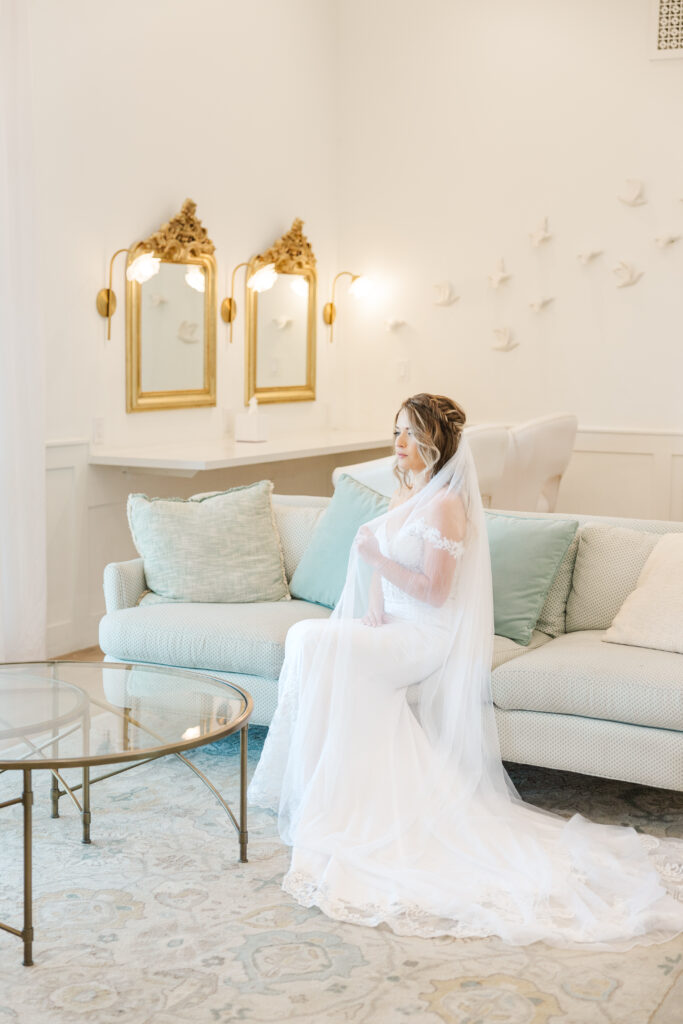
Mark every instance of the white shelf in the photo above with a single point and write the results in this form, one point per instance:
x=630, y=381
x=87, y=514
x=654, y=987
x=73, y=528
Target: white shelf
x=197, y=456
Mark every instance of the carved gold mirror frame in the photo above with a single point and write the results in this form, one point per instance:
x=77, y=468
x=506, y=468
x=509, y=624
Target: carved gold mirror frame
x=291, y=255
x=183, y=240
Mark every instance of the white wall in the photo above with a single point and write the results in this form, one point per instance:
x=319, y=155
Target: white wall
x=139, y=105
x=463, y=125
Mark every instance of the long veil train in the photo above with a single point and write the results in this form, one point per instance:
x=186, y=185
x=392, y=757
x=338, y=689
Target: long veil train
x=405, y=814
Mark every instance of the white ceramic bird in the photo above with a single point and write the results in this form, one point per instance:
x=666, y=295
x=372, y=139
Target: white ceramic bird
x=541, y=234
x=663, y=241
x=188, y=332
x=626, y=274
x=445, y=294
x=632, y=193
x=587, y=255
x=394, y=325
x=540, y=304
x=504, y=339
x=499, y=275
x=157, y=300
x=282, y=322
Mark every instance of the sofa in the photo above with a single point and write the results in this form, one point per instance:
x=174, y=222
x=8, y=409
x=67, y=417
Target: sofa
x=567, y=700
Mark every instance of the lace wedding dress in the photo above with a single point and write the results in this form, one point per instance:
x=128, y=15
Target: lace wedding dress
x=393, y=796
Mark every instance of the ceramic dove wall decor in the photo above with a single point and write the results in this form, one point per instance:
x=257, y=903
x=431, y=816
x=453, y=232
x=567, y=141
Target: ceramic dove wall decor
x=445, y=294
x=626, y=274
x=538, y=304
x=394, y=325
x=586, y=256
x=664, y=241
x=632, y=193
x=541, y=234
x=499, y=275
x=504, y=339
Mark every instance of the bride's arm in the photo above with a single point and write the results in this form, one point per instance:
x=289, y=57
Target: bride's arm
x=434, y=583
x=375, y=613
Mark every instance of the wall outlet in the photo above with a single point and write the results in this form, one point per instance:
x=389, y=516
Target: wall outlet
x=98, y=430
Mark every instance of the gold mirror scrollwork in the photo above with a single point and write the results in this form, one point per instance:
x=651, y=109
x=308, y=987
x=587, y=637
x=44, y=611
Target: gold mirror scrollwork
x=281, y=322
x=171, y=318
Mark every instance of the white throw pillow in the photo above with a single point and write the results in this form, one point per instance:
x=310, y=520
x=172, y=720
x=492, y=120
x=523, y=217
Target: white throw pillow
x=652, y=615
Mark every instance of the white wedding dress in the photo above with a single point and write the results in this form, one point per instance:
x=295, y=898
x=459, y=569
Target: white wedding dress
x=393, y=797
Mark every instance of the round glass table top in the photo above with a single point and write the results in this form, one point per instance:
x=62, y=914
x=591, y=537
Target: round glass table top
x=66, y=713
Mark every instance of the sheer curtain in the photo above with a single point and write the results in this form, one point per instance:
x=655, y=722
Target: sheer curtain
x=23, y=562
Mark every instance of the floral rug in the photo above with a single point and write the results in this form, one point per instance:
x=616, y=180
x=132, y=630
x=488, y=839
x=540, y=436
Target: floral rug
x=156, y=922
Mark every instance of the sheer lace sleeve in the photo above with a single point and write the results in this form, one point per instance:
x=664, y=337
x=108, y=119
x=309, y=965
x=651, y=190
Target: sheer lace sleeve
x=420, y=528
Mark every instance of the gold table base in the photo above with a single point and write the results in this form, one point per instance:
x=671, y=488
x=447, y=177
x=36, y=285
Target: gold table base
x=26, y=933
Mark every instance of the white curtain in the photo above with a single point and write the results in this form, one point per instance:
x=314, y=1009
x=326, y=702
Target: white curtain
x=23, y=572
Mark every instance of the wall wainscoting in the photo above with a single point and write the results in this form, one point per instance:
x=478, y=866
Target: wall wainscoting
x=612, y=472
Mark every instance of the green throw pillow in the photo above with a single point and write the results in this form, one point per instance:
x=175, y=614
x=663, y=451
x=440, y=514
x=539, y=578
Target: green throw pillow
x=525, y=555
x=320, y=575
x=221, y=547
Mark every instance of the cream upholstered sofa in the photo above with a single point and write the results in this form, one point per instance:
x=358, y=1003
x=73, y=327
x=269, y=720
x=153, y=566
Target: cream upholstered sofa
x=566, y=701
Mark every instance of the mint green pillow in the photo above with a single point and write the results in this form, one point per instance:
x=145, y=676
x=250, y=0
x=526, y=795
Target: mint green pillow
x=320, y=575
x=525, y=555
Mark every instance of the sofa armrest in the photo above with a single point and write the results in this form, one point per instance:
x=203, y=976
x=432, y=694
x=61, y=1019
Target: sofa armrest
x=124, y=584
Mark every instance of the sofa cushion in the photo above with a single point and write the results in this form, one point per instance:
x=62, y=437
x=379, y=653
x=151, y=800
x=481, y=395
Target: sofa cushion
x=296, y=524
x=321, y=573
x=525, y=556
x=224, y=547
x=577, y=674
x=505, y=649
x=247, y=638
x=608, y=563
x=652, y=616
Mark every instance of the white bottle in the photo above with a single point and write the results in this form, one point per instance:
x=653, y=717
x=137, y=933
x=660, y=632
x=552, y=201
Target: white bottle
x=252, y=425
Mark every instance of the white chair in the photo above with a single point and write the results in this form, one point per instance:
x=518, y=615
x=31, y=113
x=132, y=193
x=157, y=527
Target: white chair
x=489, y=444
x=489, y=447
x=377, y=474
x=538, y=456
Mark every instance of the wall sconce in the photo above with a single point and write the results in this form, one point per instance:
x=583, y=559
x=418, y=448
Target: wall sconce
x=260, y=281
x=146, y=265
x=359, y=286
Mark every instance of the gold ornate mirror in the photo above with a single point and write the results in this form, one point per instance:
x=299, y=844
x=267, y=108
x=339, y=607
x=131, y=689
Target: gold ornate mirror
x=280, y=363
x=171, y=317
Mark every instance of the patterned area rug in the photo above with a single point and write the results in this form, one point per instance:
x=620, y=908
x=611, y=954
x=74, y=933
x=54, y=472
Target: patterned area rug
x=157, y=922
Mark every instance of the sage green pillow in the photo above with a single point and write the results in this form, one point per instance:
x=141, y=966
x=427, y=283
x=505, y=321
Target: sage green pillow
x=321, y=573
x=525, y=555
x=222, y=547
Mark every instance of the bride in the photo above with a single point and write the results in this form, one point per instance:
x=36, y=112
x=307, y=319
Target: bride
x=382, y=759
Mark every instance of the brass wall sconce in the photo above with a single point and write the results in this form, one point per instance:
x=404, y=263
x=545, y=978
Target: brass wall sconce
x=141, y=269
x=260, y=281
x=359, y=286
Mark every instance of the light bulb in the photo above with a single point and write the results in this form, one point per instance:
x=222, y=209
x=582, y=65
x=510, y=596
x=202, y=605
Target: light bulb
x=143, y=267
x=195, y=278
x=263, y=279
x=359, y=287
x=299, y=286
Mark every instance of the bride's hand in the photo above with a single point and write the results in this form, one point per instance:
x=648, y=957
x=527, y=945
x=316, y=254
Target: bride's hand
x=374, y=618
x=367, y=545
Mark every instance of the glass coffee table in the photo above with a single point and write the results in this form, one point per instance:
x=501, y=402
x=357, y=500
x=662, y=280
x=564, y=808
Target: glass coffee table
x=57, y=715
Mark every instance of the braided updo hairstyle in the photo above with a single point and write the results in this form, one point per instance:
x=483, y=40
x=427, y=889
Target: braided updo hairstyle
x=437, y=424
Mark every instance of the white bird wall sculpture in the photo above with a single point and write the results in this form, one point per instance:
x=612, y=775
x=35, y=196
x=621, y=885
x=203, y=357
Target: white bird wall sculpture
x=541, y=234
x=188, y=332
x=445, y=294
x=632, y=193
x=663, y=241
x=394, y=325
x=538, y=304
x=587, y=255
x=505, y=340
x=282, y=322
x=626, y=274
x=499, y=275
